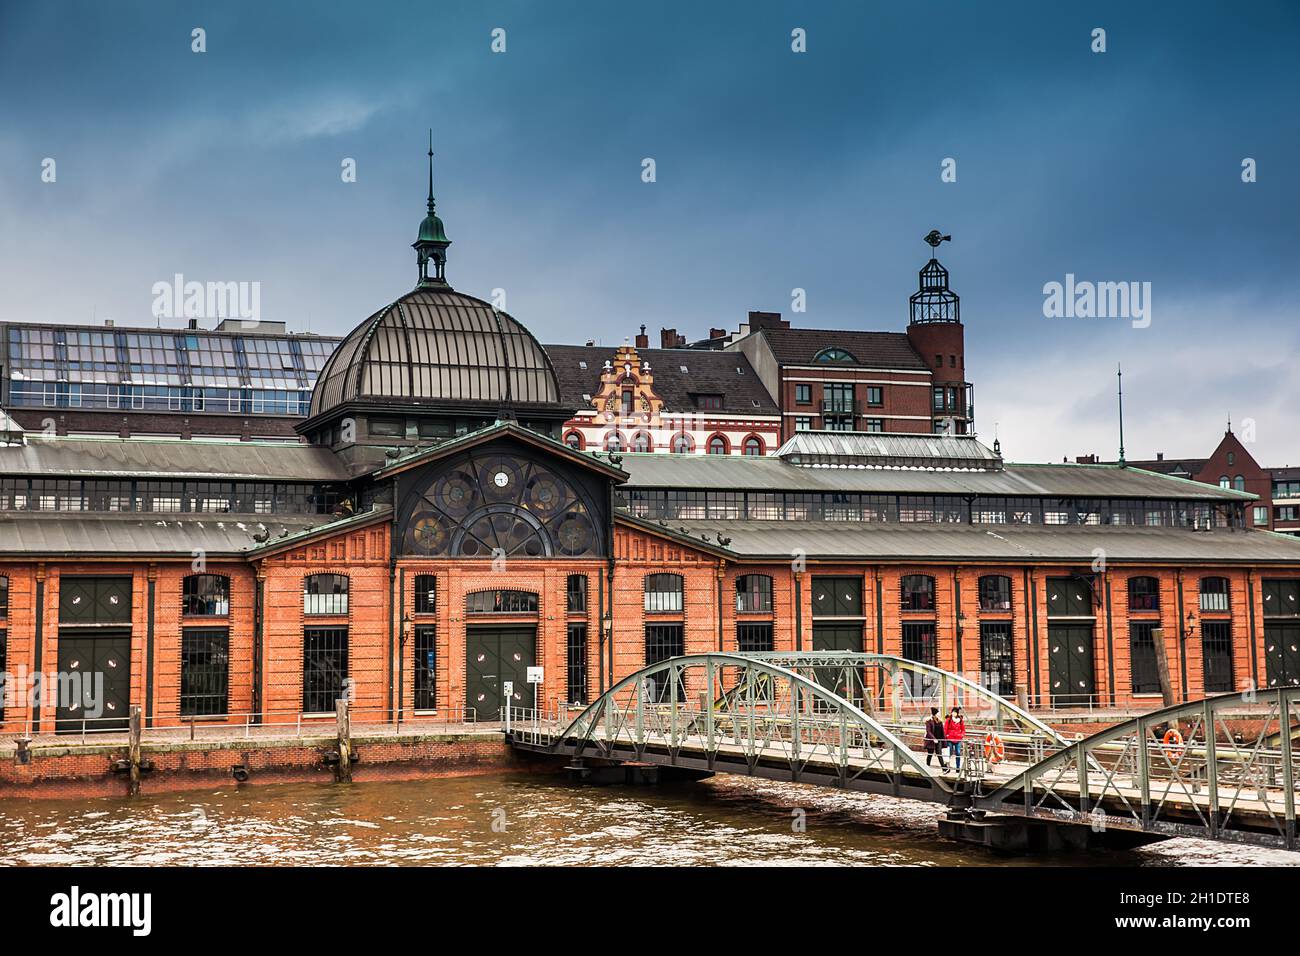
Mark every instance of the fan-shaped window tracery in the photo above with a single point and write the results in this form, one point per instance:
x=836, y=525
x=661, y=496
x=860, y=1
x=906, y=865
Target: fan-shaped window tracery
x=500, y=506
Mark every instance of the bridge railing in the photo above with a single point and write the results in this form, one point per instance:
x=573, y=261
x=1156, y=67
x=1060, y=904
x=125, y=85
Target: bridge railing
x=741, y=707
x=1223, y=766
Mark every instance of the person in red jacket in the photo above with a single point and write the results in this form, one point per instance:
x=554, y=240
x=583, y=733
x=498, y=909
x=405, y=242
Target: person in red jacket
x=954, y=730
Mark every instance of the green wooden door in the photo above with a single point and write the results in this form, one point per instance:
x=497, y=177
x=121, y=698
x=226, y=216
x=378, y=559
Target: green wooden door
x=1070, y=664
x=493, y=656
x=97, y=687
x=1282, y=654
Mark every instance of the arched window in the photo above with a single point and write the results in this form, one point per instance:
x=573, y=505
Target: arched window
x=1214, y=594
x=205, y=595
x=614, y=442
x=574, y=440
x=754, y=593
x=995, y=592
x=753, y=446
x=918, y=592
x=663, y=593
x=501, y=602
x=717, y=445
x=325, y=594
x=641, y=442
x=1143, y=594
x=835, y=356
x=1224, y=482
x=682, y=444
x=1239, y=483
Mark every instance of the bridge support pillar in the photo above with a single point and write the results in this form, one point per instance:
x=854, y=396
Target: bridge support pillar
x=1012, y=834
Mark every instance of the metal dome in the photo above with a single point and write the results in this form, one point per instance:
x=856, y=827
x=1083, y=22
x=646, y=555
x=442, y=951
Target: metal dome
x=435, y=345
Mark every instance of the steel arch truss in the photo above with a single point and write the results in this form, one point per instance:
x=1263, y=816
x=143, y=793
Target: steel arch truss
x=1220, y=768
x=747, y=714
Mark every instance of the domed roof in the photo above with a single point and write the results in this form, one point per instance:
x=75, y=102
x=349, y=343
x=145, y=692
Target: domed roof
x=436, y=345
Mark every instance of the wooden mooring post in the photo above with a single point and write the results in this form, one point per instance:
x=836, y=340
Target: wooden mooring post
x=135, y=728
x=343, y=717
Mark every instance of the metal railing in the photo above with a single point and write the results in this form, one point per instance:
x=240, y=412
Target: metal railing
x=378, y=721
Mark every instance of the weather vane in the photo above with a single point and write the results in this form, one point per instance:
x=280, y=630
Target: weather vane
x=935, y=237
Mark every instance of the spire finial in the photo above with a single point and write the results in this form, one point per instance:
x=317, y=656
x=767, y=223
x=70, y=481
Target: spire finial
x=431, y=169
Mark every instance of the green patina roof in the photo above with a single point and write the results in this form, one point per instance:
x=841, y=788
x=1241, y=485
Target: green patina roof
x=431, y=229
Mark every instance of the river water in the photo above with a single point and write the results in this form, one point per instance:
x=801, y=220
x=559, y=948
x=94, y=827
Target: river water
x=515, y=819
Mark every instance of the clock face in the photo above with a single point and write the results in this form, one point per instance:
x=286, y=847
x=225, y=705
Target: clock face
x=501, y=479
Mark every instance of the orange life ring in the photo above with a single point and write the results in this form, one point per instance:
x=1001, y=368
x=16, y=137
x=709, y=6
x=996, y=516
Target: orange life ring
x=994, y=749
x=1173, y=742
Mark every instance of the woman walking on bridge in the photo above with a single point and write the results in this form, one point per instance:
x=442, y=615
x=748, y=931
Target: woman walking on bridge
x=954, y=729
x=934, y=738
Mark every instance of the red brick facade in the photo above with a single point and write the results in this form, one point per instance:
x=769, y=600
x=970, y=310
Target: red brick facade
x=380, y=618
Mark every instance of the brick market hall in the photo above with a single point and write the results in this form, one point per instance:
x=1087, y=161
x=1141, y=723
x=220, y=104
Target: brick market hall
x=460, y=503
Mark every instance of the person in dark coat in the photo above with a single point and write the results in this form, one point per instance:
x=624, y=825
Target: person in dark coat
x=934, y=738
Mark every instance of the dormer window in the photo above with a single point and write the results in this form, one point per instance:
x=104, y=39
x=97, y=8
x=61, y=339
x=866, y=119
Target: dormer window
x=835, y=356
x=582, y=364
x=707, y=401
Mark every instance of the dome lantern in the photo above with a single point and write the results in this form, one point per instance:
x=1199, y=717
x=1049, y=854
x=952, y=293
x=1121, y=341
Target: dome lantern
x=431, y=244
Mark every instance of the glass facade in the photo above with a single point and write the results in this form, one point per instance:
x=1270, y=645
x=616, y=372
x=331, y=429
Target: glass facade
x=851, y=506
x=171, y=371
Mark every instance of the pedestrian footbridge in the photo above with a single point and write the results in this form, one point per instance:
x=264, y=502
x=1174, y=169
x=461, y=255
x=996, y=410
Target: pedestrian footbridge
x=1221, y=768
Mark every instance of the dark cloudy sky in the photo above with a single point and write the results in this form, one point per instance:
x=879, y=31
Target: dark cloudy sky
x=775, y=171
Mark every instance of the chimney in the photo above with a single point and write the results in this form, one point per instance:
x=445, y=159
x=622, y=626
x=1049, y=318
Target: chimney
x=108, y=323
x=1085, y=459
x=1160, y=456
x=643, y=340
x=767, y=320
x=668, y=338
x=193, y=324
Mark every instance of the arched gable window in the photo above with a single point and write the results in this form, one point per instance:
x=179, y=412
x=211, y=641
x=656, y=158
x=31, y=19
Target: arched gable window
x=718, y=445
x=1214, y=594
x=917, y=592
x=682, y=444
x=663, y=593
x=1224, y=481
x=485, y=503
x=754, y=593
x=614, y=442
x=325, y=594
x=835, y=356
x=1239, y=483
x=574, y=440
x=205, y=595
x=995, y=592
x=641, y=442
x=753, y=446
x=1143, y=594
x=501, y=602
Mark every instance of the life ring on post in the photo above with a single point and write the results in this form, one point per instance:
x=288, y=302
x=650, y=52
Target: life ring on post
x=1173, y=743
x=995, y=751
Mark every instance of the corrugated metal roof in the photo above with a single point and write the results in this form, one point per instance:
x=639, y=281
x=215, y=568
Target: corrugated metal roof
x=27, y=534
x=143, y=458
x=867, y=447
x=873, y=542
x=737, y=472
